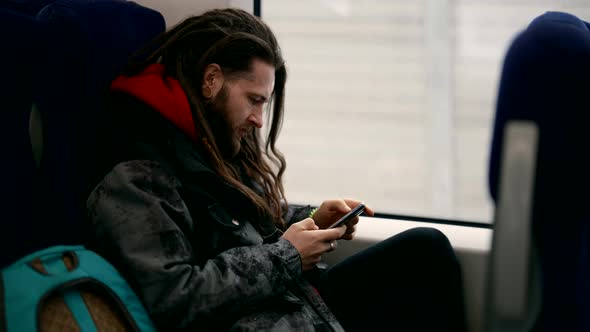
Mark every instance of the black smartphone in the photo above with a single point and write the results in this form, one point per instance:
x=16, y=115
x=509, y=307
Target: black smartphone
x=347, y=217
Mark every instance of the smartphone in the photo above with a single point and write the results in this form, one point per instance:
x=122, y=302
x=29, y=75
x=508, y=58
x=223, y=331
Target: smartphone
x=347, y=217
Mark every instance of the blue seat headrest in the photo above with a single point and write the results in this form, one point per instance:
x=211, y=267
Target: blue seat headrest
x=26, y=7
x=19, y=34
x=89, y=43
x=91, y=40
x=21, y=224
x=545, y=79
x=63, y=55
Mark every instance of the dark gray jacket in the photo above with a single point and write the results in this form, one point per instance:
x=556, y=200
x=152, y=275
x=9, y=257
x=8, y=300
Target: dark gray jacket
x=194, y=248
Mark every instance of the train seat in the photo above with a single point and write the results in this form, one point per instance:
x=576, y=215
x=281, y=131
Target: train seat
x=539, y=268
x=63, y=55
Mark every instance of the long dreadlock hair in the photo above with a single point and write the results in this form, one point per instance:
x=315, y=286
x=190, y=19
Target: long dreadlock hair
x=231, y=38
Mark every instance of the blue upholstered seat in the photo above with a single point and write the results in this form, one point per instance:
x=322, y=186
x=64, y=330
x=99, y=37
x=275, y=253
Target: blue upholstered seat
x=545, y=85
x=58, y=60
x=60, y=56
x=89, y=44
x=21, y=224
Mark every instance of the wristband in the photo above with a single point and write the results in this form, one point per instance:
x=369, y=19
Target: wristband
x=312, y=212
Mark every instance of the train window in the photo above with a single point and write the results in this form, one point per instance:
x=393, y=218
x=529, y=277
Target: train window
x=392, y=102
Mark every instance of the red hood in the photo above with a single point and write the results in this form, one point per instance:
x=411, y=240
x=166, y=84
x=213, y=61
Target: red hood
x=162, y=93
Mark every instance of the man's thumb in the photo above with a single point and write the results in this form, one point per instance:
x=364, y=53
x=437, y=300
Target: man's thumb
x=309, y=224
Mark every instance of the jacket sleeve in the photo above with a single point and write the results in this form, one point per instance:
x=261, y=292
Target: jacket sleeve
x=135, y=215
x=295, y=213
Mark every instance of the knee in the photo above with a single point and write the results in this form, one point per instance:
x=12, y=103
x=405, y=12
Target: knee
x=429, y=236
x=432, y=243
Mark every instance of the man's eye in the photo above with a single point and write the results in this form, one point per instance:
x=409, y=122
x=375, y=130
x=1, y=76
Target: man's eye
x=254, y=101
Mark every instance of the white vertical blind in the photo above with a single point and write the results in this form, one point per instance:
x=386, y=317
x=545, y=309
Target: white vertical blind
x=371, y=114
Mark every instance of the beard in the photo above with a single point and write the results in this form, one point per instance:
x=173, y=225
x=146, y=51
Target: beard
x=223, y=133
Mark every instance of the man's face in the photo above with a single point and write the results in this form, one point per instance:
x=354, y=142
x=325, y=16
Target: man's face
x=237, y=107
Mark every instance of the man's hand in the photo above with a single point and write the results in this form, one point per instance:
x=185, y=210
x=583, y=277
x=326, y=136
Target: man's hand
x=311, y=242
x=332, y=210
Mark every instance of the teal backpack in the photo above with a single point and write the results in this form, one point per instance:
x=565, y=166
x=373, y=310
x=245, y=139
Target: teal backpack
x=68, y=288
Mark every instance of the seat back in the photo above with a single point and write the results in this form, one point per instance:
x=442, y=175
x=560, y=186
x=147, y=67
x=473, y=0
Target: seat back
x=539, y=276
x=25, y=7
x=55, y=77
x=89, y=45
x=63, y=55
x=22, y=210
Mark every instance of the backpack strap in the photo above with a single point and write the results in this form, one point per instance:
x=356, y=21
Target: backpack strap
x=58, y=269
x=61, y=264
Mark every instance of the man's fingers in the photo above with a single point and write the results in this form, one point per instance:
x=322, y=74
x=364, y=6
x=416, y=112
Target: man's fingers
x=369, y=211
x=353, y=221
x=337, y=205
x=348, y=236
x=353, y=203
x=332, y=234
x=350, y=229
x=343, y=206
x=308, y=224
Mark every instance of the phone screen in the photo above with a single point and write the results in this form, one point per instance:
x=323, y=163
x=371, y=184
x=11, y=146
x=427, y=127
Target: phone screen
x=347, y=217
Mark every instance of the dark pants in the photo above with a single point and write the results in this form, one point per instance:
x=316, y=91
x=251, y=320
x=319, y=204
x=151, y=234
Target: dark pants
x=409, y=282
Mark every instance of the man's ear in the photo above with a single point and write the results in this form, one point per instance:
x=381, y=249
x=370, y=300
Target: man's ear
x=212, y=81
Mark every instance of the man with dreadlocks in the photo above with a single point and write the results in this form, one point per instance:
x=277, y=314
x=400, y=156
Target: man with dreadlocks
x=192, y=210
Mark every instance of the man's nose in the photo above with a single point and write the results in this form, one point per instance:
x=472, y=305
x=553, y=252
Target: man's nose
x=256, y=117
